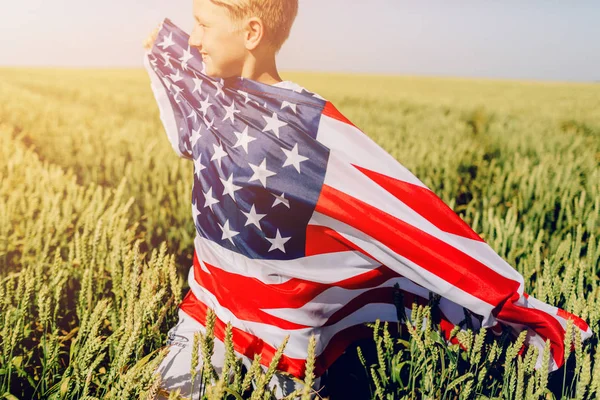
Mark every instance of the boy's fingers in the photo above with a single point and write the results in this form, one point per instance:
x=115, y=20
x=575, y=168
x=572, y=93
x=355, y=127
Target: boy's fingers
x=152, y=38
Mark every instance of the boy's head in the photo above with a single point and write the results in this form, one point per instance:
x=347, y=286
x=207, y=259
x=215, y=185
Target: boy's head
x=229, y=33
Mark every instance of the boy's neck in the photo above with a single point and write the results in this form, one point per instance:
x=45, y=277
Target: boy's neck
x=264, y=71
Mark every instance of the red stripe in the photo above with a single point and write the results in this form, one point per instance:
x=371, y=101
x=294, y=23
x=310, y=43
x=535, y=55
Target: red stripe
x=323, y=240
x=425, y=250
x=424, y=202
x=231, y=291
x=578, y=322
x=330, y=111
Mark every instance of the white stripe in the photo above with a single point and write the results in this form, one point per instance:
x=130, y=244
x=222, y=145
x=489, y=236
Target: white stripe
x=407, y=268
x=361, y=150
x=318, y=311
x=320, y=268
x=164, y=105
x=345, y=178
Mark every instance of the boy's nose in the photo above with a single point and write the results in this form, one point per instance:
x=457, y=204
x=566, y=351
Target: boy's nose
x=195, y=39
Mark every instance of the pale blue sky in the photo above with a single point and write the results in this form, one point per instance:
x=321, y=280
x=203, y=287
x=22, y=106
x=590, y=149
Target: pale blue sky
x=527, y=39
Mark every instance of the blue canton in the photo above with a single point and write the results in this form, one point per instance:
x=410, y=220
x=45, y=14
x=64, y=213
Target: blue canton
x=258, y=170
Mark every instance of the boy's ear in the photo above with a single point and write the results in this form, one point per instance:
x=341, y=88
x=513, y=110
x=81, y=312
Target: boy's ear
x=254, y=32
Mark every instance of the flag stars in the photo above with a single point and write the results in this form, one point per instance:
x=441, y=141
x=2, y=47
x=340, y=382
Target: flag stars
x=195, y=136
x=278, y=242
x=228, y=233
x=209, y=124
x=253, y=217
x=198, y=166
x=292, y=106
x=167, y=59
x=194, y=115
x=197, y=85
x=261, y=173
x=293, y=158
x=229, y=188
x=176, y=77
x=209, y=200
x=281, y=200
x=167, y=41
x=246, y=96
x=243, y=139
x=273, y=124
x=230, y=113
x=218, y=154
x=204, y=105
x=195, y=212
x=187, y=56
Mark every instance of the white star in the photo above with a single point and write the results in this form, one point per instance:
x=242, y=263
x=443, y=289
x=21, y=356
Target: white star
x=197, y=85
x=187, y=56
x=227, y=232
x=277, y=242
x=176, y=77
x=218, y=154
x=219, y=86
x=195, y=136
x=293, y=158
x=204, y=105
x=273, y=124
x=194, y=115
x=299, y=89
x=253, y=217
x=281, y=200
x=247, y=98
x=261, y=173
x=167, y=58
x=198, y=166
x=209, y=199
x=177, y=89
x=318, y=97
x=243, y=139
x=209, y=124
x=167, y=41
x=230, y=112
x=285, y=104
x=229, y=187
x=195, y=212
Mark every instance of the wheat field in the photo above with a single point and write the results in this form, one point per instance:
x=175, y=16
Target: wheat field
x=96, y=236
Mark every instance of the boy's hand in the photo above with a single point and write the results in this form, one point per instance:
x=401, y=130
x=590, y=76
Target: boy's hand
x=152, y=38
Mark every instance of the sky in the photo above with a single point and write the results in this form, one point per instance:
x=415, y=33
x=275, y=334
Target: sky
x=532, y=39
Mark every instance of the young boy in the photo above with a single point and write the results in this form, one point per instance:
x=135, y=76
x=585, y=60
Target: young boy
x=236, y=38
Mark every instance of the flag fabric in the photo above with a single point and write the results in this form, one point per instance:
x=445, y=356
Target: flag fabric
x=304, y=224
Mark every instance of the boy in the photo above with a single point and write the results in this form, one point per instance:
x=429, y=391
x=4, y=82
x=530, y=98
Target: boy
x=304, y=224
x=236, y=38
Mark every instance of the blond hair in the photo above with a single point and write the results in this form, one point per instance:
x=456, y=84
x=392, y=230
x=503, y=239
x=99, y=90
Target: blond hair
x=277, y=16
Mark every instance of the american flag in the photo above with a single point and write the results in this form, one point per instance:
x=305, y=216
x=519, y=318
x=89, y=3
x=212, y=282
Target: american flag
x=304, y=224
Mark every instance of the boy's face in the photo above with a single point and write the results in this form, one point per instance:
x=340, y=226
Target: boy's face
x=216, y=38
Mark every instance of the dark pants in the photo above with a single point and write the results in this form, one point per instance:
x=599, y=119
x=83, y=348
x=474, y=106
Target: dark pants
x=346, y=378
